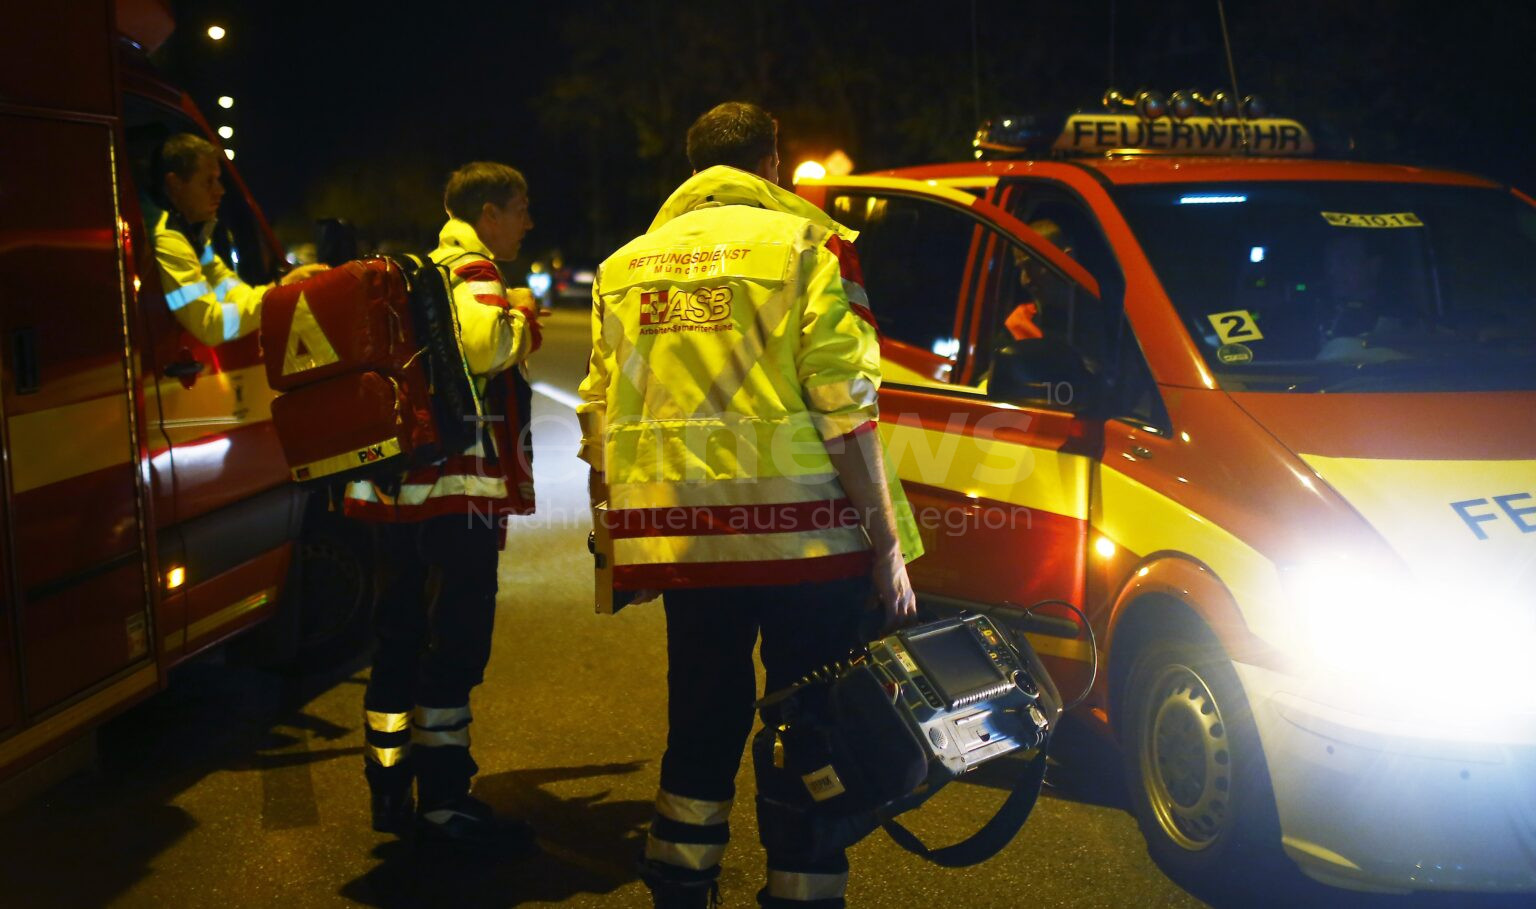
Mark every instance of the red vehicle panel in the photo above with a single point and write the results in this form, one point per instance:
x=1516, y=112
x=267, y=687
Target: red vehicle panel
x=147, y=509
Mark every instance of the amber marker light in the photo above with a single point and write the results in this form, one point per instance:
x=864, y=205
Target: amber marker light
x=1104, y=546
x=175, y=578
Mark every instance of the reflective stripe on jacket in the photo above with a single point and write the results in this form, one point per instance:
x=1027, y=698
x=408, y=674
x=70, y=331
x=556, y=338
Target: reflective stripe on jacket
x=494, y=338
x=207, y=296
x=729, y=344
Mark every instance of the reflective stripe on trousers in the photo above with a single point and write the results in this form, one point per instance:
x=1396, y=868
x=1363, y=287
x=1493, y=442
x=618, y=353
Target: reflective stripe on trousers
x=803, y=886
x=687, y=832
x=386, y=737
x=437, y=727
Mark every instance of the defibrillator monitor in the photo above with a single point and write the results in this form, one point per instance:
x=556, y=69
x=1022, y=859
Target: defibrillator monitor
x=954, y=664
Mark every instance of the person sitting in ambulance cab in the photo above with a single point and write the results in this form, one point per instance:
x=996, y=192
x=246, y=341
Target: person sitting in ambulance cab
x=202, y=290
x=1360, y=315
x=1022, y=321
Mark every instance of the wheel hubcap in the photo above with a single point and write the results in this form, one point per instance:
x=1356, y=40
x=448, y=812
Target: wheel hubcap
x=1186, y=764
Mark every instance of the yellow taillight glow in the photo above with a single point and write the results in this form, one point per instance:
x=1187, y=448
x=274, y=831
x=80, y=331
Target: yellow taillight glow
x=175, y=578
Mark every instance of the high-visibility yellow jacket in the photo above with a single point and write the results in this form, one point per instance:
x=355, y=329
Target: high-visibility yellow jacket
x=729, y=343
x=494, y=337
x=207, y=296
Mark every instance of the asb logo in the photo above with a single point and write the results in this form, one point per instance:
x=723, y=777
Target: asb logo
x=701, y=307
x=308, y=347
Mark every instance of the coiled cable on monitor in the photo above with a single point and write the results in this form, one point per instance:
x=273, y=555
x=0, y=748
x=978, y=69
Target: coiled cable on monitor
x=1093, y=646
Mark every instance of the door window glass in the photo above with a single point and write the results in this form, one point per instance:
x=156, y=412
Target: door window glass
x=237, y=238
x=1063, y=221
x=1044, y=324
x=913, y=254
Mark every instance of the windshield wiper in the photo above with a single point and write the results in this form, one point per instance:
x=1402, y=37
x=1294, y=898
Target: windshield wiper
x=1437, y=374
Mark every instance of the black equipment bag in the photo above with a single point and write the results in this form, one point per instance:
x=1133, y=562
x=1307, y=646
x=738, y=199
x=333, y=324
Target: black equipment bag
x=848, y=748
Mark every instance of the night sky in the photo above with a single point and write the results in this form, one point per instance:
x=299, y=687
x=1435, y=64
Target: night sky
x=361, y=109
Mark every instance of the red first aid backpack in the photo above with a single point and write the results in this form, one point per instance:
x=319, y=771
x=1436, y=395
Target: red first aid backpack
x=371, y=376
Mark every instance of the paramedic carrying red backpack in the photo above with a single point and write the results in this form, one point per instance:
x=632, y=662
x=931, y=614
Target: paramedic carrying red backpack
x=372, y=381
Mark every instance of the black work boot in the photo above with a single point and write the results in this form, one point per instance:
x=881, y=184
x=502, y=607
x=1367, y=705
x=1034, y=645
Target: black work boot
x=393, y=810
x=678, y=888
x=468, y=824
x=770, y=902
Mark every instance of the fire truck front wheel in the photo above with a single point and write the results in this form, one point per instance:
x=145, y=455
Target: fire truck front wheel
x=1194, y=768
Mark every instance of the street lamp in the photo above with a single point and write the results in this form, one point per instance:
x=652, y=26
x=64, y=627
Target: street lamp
x=226, y=132
x=226, y=102
x=216, y=32
x=229, y=153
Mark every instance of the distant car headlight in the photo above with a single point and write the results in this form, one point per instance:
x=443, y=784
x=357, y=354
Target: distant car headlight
x=1402, y=638
x=539, y=283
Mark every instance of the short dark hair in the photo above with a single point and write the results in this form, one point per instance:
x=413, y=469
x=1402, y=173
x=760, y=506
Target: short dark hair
x=179, y=155
x=736, y=133
x=479, y=182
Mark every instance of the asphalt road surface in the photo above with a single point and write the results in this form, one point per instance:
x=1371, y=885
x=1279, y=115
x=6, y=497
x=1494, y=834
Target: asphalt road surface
x=239, y=787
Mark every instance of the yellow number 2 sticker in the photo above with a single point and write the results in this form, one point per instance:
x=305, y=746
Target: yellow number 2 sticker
x=1235, y=326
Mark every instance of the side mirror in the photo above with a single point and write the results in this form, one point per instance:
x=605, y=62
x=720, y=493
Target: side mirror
x=335, y=241
x=1044, y=372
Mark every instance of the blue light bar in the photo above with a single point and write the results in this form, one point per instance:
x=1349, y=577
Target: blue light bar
x=1209, y=199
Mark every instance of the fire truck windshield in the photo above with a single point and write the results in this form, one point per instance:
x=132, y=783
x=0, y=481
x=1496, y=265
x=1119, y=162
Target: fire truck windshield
x=1357, y=287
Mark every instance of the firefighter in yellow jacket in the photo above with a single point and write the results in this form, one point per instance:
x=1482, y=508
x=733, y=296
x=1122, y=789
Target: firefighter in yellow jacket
x=207, y=296
x=440, y=535
x=728, y=417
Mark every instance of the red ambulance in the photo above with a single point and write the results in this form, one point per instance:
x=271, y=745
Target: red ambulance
x=147, y=511
x=1270, y=419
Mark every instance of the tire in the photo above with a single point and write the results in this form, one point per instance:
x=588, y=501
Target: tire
x=1195, y=770
x=326, y=608
x=335, y=588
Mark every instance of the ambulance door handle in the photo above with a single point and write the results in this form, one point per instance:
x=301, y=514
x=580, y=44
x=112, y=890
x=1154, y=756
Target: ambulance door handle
x=184, y=369
x=25, y=372
x=1141, y=452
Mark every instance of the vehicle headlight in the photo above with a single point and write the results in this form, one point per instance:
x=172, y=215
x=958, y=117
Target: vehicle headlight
x=1403, y=638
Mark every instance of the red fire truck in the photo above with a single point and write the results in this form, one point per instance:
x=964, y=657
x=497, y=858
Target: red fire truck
x=1267, y=418
x=146, y=506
